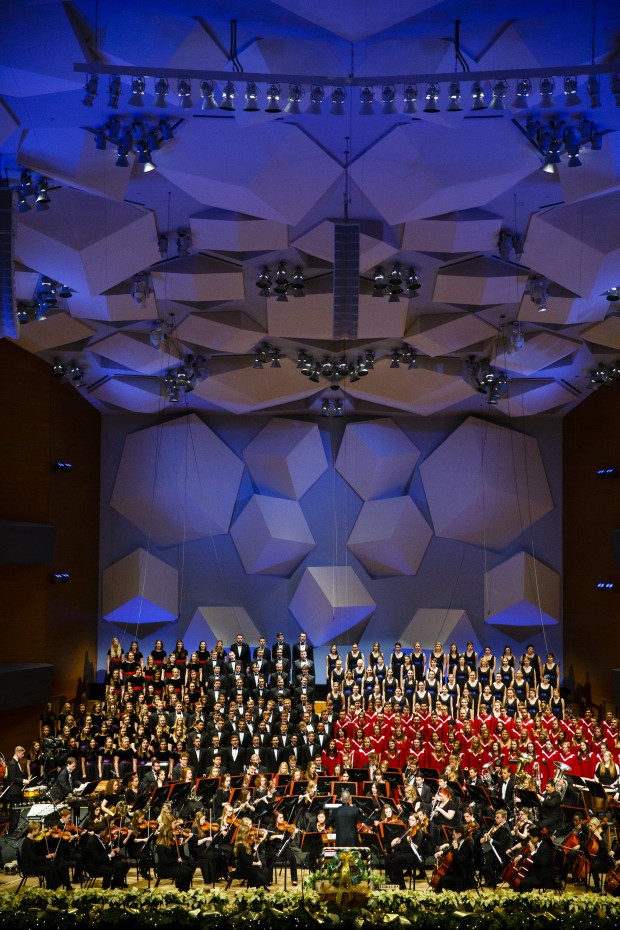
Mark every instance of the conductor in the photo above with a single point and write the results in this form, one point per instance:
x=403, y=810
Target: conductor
x=345, y=820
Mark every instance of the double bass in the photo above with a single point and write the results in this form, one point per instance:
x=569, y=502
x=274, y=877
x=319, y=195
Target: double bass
x=612, y=880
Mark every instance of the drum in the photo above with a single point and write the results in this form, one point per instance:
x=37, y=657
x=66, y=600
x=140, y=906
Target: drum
x=35, y=794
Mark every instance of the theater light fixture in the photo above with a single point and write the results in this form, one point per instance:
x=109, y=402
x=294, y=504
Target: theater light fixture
x=279, y=285
x=487, y=380
x=266, y=354
x=184, y=378
x=404, y=355
x=332, y=407
x=335, y=369
x=90, y=89
x=537, y=288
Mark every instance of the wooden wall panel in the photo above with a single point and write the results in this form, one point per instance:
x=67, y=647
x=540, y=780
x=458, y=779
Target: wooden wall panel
x=41, y=421
x=591, y=507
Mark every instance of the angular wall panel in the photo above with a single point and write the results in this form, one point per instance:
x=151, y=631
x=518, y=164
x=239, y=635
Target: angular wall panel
x=140, y=589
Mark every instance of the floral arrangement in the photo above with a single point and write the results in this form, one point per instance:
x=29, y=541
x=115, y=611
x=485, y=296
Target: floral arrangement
x=260, y=909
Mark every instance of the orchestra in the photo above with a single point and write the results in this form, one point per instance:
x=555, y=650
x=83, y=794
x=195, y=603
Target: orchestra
x=457, y=769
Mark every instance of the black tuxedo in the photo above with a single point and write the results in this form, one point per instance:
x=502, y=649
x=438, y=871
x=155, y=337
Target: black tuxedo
x=234, y=766
x=286, y=651
x=308, y=649
x=198, y=762
x=242, y=654
x=64, y=785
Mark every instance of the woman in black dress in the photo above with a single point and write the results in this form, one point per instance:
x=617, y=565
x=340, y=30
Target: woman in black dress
x=170, y=862
x=249, y=865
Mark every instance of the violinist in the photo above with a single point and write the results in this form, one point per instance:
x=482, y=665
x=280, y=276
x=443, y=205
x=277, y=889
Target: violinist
x=136, y=841
x=38, y=857
x=249, y=866
x=540, y=873
x=170, y=862
x=65, y=842
x=102, y=861
x=199, y=844
x=405, y=852
x=494, y=845
x=282, y=844
x=460, y=873
x=220, y=851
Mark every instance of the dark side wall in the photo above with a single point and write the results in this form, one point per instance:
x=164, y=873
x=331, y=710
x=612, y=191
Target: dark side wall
x=591, y=440
x=42, y=421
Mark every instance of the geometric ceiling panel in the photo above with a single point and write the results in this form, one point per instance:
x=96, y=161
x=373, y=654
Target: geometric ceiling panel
x=272, y=536
x=377, y=242
x=69, y=155
x=8, y=123
x=563, y=308
x=227, y=331
x=376, y=459
x=286, y=458
x=416, y=170
x=197, y=278
x=177, y=481
x=116, y=305
x=485, y=484
x=140, y=589
x=439, y=334
x=605, y=333
x=390, y=537
x=89, y=243
x=522, y=591
x=471, y=230
x=221, y=622
x=134, y=351
x=272, y=171
x=310, y=318
x=429, y=624
x=602, y=171
x=432, y=388
x=235, y=386
x=480, y=281
x=139, y=395
x=528, y=397
x=180, y=40
x=539, y=351
x=345, y=20
x=223, y=231
x=330, y=598
x=58, y=329
x=575, y=245
x=380, y=319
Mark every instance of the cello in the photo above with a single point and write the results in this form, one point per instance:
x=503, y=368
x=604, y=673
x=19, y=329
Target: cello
x=515, y=871
x=612, y=880
x=444, y=864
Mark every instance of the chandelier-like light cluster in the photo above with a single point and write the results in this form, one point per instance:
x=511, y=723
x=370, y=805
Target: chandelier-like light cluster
x=335, y=369
x=487, y=380
x=184, y=378
x=279, y=284
x=138, y=136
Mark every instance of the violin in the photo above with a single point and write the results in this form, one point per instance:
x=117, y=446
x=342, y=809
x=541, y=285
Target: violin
x=116, y=831
x=42, y=835
x=286, y=827
x=181, y=834
x=67, y=833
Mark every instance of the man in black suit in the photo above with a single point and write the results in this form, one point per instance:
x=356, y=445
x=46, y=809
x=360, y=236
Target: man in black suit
x=66, y=783
x=17, y=780
x=271, y=754
x=541, y=874
x=507, y=787
x=102, y=861
x=286, y=649
x=265, y=654
x=495, y=846
x=345, y=820
x=149, y=779
x=241, y=652
x=424, y=794
x=198, y=758
x=301, y=646
x=551, y=815
x=233, y=756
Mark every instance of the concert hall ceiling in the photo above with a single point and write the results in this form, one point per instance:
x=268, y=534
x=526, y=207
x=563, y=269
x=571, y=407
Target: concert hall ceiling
x=428, y=192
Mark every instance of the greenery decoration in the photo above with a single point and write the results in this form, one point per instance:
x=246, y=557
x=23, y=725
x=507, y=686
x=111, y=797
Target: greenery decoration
x=262, y=909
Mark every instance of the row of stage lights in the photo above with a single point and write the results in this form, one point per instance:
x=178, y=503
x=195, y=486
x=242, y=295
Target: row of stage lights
x=368, y=104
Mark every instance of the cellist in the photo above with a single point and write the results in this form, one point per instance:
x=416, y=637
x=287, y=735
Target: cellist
x=460, y=872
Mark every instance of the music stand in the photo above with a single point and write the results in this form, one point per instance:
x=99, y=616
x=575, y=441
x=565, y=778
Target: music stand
x=311, y=846
x=394, y=779
x=206, y=788
x=160, y=795
x=358, y=775
x=339, y=786
x=528, y=798
x=178, y=793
